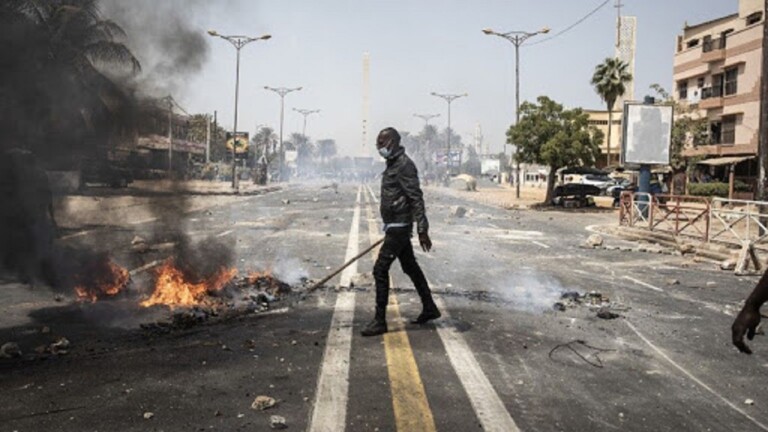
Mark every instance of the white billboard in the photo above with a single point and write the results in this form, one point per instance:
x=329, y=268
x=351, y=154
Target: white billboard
x=647, y=134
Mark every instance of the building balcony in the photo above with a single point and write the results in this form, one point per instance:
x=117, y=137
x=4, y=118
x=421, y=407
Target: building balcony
x=711, y=103
x=713, y=56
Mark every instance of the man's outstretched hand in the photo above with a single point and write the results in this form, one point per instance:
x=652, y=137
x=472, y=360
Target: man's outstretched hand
x=425, y=241
x=745, y=323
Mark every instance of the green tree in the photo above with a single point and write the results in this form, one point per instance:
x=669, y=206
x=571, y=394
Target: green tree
x=264, y=143
x=548, y=134
x=610, y=80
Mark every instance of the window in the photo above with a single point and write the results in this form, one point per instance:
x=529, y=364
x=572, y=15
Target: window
x=682, y=90
x=731, y=81
x=700, y=82
x=706, y=45
x=728, y=133
x=715, y=133
x=717, y=85
x=724, y=38
x=754, y=18
x=692, y=43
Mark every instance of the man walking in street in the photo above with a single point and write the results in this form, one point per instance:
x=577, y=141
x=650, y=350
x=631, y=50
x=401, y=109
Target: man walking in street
x=401, y=204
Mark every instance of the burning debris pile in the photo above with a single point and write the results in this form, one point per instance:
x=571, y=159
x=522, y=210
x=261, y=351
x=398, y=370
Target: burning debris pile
x=100, y=278
x=222, y=296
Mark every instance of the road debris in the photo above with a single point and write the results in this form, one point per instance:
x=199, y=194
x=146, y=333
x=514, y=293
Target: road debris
x=10, y=350
x=458, y=211
x=148, y=415
x=729, y=264
x=594, y=352
x=59, y=347
x=673, y=282
x=606, y=314
x=262, y=403
x=749, y=402
x=594, y=241
x=277, y=422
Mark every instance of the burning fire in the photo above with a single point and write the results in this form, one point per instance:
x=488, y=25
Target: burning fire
x=173, y=289
x=100, y=279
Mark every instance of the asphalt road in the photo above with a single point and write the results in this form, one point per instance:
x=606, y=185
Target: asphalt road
x=500, y=359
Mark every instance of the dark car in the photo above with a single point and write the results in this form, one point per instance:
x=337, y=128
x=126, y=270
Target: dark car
x=104, y=172
x=574, y=192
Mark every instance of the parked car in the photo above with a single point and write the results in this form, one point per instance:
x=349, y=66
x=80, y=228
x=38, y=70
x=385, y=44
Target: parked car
x=104, y=172
x=617, y=184
x=600, y=181
x=575, y=193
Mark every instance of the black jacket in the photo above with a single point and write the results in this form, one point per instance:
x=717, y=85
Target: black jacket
x=401, y=198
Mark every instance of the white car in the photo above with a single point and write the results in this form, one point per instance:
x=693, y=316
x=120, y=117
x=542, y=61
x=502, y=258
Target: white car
x=601, y=181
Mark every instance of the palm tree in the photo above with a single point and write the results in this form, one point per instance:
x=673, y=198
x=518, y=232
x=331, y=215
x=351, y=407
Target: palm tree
x=75, y=49
x=610, y=80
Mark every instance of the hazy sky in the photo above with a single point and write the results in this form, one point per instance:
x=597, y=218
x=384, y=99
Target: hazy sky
x=417, y=47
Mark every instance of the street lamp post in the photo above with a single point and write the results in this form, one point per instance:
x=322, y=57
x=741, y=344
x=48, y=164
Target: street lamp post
x=238, y=42
x=282, y=91
x=449, y=98
x=306, y=113
x=517, y=38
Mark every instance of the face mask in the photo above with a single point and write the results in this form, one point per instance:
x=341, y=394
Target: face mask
x=385, y=152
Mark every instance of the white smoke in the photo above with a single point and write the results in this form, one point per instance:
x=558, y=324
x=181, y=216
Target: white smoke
x=289, y=270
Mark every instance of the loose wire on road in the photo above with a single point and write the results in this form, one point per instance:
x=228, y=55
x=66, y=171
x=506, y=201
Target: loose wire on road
x=570, y=27
x=598, y=364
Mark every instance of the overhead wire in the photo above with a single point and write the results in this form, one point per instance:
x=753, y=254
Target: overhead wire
x=572, y=26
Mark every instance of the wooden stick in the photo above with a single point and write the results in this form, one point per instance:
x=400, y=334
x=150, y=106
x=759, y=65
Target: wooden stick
x=347, y=264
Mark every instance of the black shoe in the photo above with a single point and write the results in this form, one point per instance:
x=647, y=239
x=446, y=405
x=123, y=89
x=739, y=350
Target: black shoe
x=427, y=315
x=375, y=328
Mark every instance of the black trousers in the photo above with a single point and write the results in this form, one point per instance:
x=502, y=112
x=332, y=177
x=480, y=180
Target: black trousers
x=397, y=245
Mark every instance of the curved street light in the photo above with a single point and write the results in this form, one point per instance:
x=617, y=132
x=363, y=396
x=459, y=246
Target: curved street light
x=306, y=113
x=449, y=98
x=238, y=42
x=281, y=91
x=517, y=38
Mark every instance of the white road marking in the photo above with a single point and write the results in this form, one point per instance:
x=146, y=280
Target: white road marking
x=373, y=195
x=639, y=282
x=77, y=234
x=329, y=411
x=693, y=377
x=225, y=233
x=353, y=244
x=147, y=266
x=489, y=408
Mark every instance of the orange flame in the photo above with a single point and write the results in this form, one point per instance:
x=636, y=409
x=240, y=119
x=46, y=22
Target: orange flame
x=173, y=289
x=104, y=279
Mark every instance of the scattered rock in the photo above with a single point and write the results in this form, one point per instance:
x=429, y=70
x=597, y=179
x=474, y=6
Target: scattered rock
x=286, y=201
x=711, y=283
x=595, y=240
x=10, y=350
x=45, y=330
x=458, y=211
x=729, y=264
x=136, y=240
x=148, y=415
x=60, y=346
x=559, y=307
x=58, y=298
x=687, y=248
x=277, y=422
x=262, y=403
x=673, y=282
x=749, y=402
x=606, y=314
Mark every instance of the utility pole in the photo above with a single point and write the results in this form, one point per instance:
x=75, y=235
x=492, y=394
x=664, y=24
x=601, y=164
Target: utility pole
x=170, y=137
x=281, y=91
x=762, y=152
x=207, y=138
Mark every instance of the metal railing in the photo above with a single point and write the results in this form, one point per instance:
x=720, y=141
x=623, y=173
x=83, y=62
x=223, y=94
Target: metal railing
x=673, y=214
